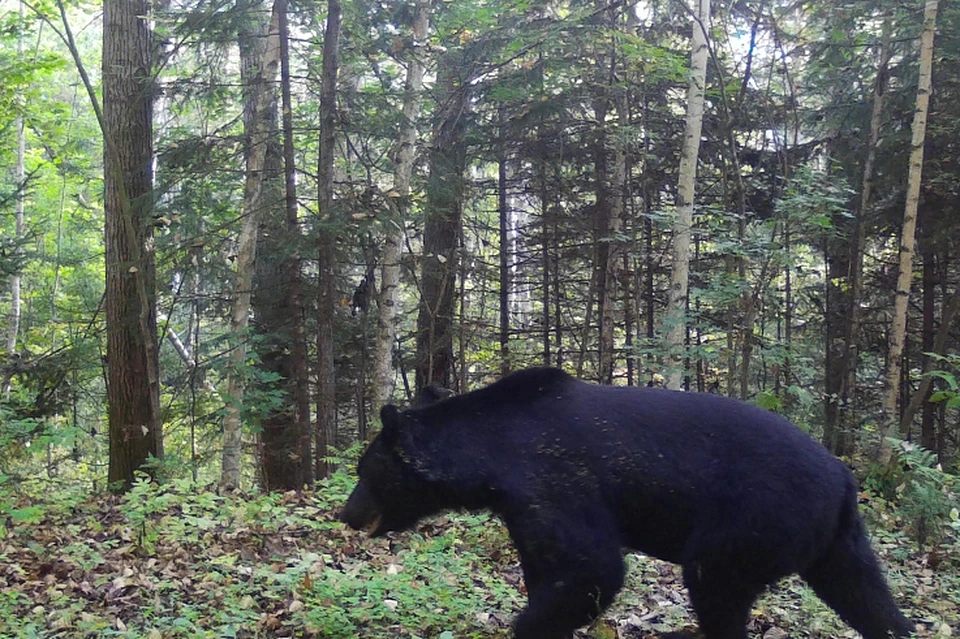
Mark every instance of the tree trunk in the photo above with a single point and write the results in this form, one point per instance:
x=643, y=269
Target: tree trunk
x=836, y=317
x=675, y=320
x=649, y=297
x=629, y=304
x=383, y=374
x=701, y=381
x=444, y=207
x=749, y=296
x=557, y=290
x=300, y=384
x=938, y=347
x=787, y=370
x=928, y=435
x=611, y=267
x=21, y=196
x=942, y=433
x=278, y=446
x=908, y=233
x=601, y=247
x=133, y=400
x=608, y=214
x=326, y=241
x=260, y=58
x=612, y=248
x=285, y=450
x=846, y=369
x=545, y=257
x=628, y=212
x=504, y=251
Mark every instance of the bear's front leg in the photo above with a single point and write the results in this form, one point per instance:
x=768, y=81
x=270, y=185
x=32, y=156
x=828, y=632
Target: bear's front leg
x=558, y=607
x=572, y=573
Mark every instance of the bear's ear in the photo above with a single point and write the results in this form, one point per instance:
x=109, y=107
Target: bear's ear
x=390, y=419
x=431, y=394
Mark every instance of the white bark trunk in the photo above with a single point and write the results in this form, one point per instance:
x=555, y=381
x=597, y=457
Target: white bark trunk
x=262, y=79
x=898, y=326
x=15, y=281
x=383, y=374
x=676, y=317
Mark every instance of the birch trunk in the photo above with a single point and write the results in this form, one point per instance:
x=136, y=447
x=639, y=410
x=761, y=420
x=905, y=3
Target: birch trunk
x=384, y=377
x=259, y=68
x=20, y=177
x=675, y=321
x=898, y=326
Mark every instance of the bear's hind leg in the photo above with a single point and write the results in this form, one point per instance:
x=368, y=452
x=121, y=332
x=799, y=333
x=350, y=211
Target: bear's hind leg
x=847, y=577
x=722, y=604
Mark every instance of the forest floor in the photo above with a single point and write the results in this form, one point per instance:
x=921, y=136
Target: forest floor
x=174, y=562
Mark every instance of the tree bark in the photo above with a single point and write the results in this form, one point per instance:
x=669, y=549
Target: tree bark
x=836, y=316
x=285, y=436
x=908, y=233
x=435, y=361
x=938, y=347
x=649, y=293
x=749, y=296
x=13, y=330
x=133, y=400
x=13, y=333
x=326, y=242
x=271, y=322
x=384, y=377
x=545, y=257
x=928, y=435
x=300, y=384
x=628, y=277
x=842, y=405
x=601, y=247
x=613, y=250
x=675, y=320
x=504, y=251
x=557, y=289
x=259, y=64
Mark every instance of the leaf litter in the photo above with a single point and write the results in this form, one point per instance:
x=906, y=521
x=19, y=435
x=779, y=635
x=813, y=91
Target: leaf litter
x=174, y=561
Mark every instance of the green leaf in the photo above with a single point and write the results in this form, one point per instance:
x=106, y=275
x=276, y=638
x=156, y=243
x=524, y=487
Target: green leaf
x=27, y=515
x=941, y=396
x=946, y=376
x=769, y=401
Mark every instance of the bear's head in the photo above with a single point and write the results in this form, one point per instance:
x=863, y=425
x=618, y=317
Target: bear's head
x=392, y=492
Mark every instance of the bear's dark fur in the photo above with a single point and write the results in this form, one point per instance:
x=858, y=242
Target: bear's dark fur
x=737, y=496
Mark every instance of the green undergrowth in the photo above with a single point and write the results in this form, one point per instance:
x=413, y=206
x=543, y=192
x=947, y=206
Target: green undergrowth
x=176, y=561
x=179, y=560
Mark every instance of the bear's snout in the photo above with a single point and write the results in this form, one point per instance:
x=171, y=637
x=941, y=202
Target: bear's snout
x=361, y=512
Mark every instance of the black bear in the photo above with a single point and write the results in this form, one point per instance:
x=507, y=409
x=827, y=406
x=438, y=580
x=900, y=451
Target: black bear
x=736, y=495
